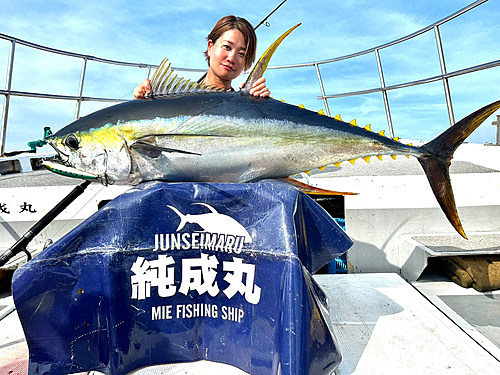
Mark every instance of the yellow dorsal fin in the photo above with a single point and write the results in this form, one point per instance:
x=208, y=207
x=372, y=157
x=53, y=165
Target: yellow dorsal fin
x=379, y=157
x=322, y=168
x=368, y=127
x=353, y=122
x=164, y=82
x=352, y=161
x=338, y=117
x=337, y=164
x=302, y=106
x=393, y=157
x=366, y=158
x=321, y=112
x=382, y=133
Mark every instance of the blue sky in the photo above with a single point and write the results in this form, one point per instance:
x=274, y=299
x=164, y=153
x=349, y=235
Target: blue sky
x=149, y=31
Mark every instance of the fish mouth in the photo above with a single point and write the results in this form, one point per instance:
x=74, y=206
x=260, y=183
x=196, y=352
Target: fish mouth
x=57, y=165
x=61, y=156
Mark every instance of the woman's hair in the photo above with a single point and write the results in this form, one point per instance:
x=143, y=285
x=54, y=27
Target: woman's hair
x=242, y=25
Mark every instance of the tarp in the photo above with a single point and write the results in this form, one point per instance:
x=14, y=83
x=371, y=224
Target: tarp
x=175, y=273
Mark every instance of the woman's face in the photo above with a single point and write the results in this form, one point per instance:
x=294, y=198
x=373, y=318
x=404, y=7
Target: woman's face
x=227, y=55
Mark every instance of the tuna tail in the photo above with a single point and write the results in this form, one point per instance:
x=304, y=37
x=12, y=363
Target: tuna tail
x=181, y=215
x=261, y=66
x=439, y=152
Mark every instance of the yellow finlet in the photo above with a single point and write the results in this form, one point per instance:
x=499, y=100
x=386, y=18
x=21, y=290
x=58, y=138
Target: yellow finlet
x=366, y=158
x=368, y=127
x=395, y=139
x=407, y=156
x=393, y=157
x=352, y=161
x=410, y=144
x=321, y=112
x=338, y=118
x=353, y=122
x=382, y=133
x=379, y=157
x=337, y=164
x=308, y=172
x=322, y=168
x=302, y=106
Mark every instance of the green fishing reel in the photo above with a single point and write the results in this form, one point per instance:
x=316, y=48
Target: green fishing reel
x=41, y=142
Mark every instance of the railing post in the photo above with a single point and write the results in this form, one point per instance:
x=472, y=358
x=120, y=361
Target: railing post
x=497, y=124
x=446, y=84
x=80, y=91
x=322, y=88
x=498, y=130
x=8, y=87
x=384, y=93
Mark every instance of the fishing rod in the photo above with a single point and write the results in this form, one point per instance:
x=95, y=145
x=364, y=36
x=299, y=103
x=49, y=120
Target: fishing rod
x=21, y=244
x=269, y=15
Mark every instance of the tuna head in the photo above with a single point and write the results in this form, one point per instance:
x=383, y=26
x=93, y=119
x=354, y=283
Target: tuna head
x=98, y=154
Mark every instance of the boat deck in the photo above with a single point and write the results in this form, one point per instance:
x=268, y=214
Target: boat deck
x=383, y=325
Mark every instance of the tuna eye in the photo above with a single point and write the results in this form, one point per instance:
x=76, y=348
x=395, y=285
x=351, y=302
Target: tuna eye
x=72, y=142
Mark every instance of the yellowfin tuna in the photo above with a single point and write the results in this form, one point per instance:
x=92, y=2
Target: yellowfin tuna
x=188, y=132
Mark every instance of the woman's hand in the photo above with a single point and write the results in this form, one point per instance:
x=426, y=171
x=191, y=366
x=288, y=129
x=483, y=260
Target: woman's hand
x=259, y=88
x=142, y=89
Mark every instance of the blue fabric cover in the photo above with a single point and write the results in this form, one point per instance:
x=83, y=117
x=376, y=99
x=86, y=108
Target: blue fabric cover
x=170, y=273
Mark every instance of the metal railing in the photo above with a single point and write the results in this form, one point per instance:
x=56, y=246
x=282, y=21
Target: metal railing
x=383, y=88
x=9, y=92
x=444, y=76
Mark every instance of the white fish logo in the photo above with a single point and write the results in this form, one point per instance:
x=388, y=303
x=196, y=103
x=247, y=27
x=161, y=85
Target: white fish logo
x=213, y=222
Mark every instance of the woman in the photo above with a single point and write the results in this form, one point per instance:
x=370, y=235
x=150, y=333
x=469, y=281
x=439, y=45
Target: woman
x=230, y=50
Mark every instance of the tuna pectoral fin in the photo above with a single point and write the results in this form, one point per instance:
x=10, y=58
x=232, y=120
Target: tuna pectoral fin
x=439, y=152
x=308, y=189
x=155, y=151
